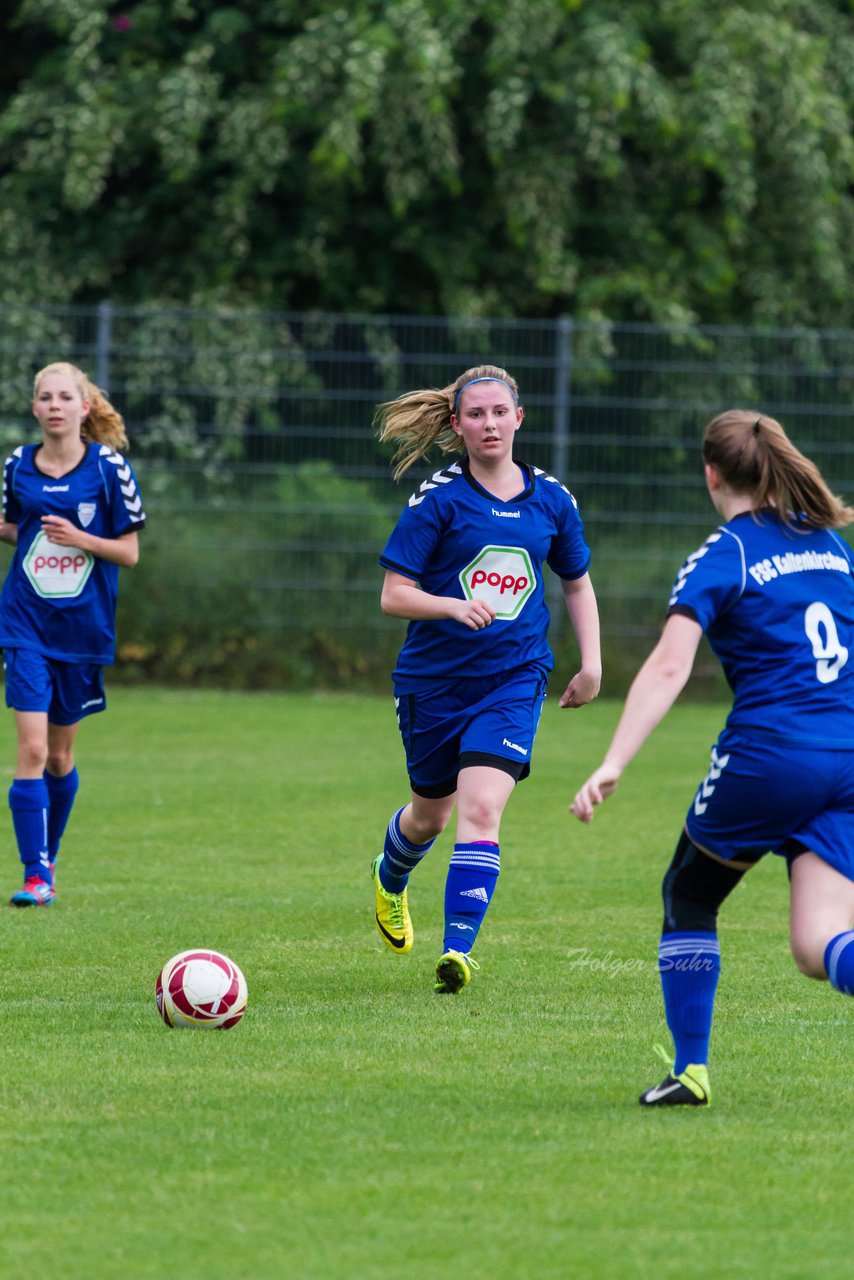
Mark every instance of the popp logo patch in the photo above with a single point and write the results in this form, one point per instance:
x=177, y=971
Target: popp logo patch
x=502, y=576
x=56, y=572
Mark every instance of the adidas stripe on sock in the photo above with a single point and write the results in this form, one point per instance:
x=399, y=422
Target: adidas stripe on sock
x=471, y=881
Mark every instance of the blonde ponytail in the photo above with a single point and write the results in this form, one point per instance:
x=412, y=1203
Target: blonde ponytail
x=418, y=420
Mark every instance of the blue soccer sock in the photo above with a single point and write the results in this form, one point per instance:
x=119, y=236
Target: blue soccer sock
x=400, y=856
x=839, y=962
x=29, y=801
x=62, y=792
x=472, y=877
x=689, y=965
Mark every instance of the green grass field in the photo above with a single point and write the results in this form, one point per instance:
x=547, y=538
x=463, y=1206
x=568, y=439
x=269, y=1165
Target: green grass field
x=355, y=1126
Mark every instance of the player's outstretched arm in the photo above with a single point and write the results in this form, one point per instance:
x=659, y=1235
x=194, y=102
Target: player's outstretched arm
x=584, y=615
x=654, y=690
x=403, y=598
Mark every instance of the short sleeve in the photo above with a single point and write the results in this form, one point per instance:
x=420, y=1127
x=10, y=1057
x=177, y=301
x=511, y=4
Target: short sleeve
x=413, y=540
x=711, y=579
x=123, y=496
x=569, y=554
x=11, y=505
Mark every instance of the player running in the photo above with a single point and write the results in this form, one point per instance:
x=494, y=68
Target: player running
x=772, y=589
x=72, y=510
x=465, y=565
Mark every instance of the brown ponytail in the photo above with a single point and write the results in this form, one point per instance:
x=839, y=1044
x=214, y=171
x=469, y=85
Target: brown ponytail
x=754, y=456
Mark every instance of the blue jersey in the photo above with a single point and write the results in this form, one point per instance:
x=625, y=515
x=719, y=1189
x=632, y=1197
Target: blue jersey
x=456, y=539
x=61, y=601
x=777, y=606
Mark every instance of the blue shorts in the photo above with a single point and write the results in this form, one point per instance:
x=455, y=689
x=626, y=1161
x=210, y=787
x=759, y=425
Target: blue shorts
x=488, y=720
x=67, y=691
x=762, y=795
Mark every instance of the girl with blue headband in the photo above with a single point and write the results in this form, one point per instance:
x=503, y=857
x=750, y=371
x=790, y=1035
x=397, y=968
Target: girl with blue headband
x=464, y=566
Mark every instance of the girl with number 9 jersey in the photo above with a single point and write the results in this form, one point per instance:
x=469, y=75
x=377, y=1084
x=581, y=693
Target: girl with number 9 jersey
x=773, y=590
x=72, y=511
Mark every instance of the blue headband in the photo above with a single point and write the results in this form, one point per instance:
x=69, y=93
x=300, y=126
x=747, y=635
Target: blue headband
x=487, y=379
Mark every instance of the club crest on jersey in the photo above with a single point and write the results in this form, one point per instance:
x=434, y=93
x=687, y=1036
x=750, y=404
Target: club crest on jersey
x=86, y=513
x=502, y=576
x=56, y=572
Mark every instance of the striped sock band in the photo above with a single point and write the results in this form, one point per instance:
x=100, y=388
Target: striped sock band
x=839, y=962
x=477, y=855
x=689, y=965
x=472, y=877
x=400, y=856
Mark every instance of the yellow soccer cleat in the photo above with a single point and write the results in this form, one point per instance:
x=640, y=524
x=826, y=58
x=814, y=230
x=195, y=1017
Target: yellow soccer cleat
x=453, y=972
x=690, y=1088
x=392, y=914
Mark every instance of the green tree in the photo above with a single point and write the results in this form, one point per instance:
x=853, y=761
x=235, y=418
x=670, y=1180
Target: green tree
x=666, y=160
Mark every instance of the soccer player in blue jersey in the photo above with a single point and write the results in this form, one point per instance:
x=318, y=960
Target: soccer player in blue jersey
x=772, y=589
x=72, y=511
x=465, y=565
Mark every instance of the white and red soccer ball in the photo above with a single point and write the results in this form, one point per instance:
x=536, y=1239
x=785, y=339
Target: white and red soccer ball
x=201, y=989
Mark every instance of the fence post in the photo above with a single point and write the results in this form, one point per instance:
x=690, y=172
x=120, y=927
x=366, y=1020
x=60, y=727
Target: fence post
x=562, y=396
x=103, y=344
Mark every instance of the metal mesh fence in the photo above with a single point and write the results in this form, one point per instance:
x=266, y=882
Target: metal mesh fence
x=269, y=498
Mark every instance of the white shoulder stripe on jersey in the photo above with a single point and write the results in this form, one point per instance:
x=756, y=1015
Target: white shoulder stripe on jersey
x=436, y=480
x=7, y=465
x=538, y=471
x=696, y=556
x=690, y=565
x=130, y=493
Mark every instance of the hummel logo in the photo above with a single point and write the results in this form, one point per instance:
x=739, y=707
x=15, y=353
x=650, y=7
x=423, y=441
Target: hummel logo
x=479, y=893
x=523, y=751
x=660, y=1091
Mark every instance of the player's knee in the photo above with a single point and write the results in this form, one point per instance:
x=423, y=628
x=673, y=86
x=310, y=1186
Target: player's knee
x=808, y=955
x=427, y=820
x=428, y=830
x=59, y=762
x=810, y=966
x=693, y=888
x=480, y=817
x=32, y=755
